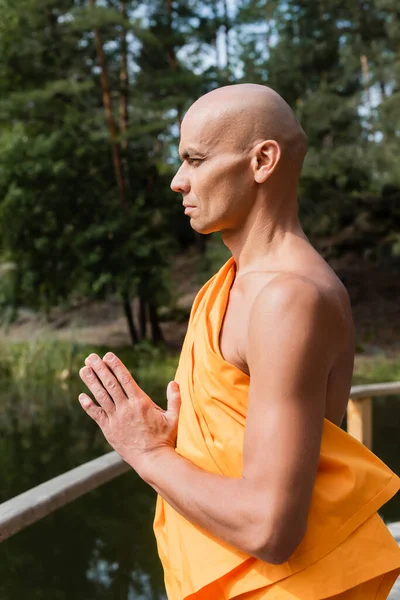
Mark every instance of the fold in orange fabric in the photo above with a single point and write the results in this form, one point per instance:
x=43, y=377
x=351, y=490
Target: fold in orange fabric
x=346, y=543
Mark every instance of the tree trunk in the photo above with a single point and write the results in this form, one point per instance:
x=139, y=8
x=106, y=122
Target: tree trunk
x=142, y=318
x=383, y=90
x=55, y=39
x=124, y=82
x=362, y=37
x=215, y=16
x=112, y=127
x=227, y=28
x=123, y=102
x=156, y=333
x=129, y=317
x=366, y=85
x=269, y=9
x=170, y=49
x=171, y=55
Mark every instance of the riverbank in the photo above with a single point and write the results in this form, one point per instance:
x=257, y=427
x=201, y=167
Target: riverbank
x=374, y=293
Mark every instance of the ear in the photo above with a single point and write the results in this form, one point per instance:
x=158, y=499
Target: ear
x=265, y=160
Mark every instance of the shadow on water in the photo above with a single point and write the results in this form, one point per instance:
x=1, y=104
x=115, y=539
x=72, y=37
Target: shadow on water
x=102, y=545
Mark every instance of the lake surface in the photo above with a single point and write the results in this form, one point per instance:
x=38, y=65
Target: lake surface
x=102, y=545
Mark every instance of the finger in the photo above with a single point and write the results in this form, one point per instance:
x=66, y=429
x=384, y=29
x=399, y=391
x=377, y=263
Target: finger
x=89, y=378
x=97, y=413
x=132, y=389
x=173, y=399
x=107, y=378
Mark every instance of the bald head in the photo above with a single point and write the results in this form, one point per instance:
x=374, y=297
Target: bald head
x=243, y=115
x=242, y=150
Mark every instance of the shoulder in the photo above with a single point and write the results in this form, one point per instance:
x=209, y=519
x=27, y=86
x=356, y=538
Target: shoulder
x=292, y=304
x=293, y=292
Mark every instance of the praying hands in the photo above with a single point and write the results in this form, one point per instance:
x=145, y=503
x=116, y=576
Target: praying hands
x=131, y=422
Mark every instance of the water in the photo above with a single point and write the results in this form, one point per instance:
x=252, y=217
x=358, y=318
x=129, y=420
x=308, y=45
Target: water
x=102, y=545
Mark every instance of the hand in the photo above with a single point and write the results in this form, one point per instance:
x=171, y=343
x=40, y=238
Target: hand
x=131, y=422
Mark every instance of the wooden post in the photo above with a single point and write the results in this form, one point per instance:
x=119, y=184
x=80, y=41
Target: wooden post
x=359, y=420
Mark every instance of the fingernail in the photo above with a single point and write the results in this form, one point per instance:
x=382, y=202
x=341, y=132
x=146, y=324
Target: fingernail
x=84, y=400
x=94, y=358
x=108, y=356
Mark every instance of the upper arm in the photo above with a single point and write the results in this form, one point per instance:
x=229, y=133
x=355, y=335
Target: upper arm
x=289, y=355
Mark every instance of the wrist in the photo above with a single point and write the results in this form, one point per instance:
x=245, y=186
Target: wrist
x=154, y=461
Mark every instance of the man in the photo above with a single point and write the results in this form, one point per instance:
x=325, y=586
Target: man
x=261, y=494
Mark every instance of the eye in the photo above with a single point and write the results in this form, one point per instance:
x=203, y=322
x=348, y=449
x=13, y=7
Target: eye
x=193, y=162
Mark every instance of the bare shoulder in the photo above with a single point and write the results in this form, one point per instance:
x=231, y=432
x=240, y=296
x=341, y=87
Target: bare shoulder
x=302, y=302
x=296, y=291
x=286, y=288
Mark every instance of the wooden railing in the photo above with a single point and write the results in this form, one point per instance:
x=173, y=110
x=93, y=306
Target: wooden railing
x=33, y=505
x=359, y=408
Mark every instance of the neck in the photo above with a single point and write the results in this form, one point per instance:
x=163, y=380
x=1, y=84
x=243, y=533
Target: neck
x=263, y=237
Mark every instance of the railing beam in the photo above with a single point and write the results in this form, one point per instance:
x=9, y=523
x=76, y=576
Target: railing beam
x=359, y=408
x=375, y=389
x=29, y=507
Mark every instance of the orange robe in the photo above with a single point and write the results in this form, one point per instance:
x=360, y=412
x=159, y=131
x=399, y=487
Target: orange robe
x=347, y=553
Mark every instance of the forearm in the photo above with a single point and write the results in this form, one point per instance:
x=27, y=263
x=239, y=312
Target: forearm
x=223, y=506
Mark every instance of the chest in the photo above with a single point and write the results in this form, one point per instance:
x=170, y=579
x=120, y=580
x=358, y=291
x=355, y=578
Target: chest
x=233, y=338
x=233, y=333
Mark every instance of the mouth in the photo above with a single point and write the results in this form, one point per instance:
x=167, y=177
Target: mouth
x=188, y=208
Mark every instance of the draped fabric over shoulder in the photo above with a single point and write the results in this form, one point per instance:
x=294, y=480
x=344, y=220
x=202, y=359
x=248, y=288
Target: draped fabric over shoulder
x=346, y=543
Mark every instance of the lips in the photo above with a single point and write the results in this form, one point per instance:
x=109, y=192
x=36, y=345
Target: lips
x=188, y=208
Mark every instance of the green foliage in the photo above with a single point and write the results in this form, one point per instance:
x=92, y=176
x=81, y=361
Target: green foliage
x=49, y=369
x=43, y=433
x=63, y=225
x=379, y=370
x=61, y=220
x=364, y=226
x=215, y=256
x=337, y=66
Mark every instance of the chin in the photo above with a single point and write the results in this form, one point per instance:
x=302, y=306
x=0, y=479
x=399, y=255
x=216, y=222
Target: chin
x=204, y=228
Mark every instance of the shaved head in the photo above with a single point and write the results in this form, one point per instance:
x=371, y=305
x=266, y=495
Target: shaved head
x=245, y=114
x=242, y=151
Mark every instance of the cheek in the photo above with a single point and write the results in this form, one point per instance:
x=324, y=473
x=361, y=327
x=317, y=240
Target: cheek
x=234, y=187
x=221, y=188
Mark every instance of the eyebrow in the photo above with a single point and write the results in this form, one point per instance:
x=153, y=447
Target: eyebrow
x=188, y=152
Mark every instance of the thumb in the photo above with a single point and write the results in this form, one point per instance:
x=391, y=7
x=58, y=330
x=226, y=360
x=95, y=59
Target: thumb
x=173, y=398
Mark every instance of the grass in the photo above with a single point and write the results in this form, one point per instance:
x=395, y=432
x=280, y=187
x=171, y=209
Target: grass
x=46, y=372
x=376, y=370
x=48, y=360
x=55, y=364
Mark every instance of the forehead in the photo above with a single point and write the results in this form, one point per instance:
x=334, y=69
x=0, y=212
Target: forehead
x=206, y=128
x=195, y=133
x=203, y=126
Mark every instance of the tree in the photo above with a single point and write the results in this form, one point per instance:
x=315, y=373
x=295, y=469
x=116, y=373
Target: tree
x=61, y=214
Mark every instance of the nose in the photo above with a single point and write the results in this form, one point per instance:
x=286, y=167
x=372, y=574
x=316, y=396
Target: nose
x=180, y=183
